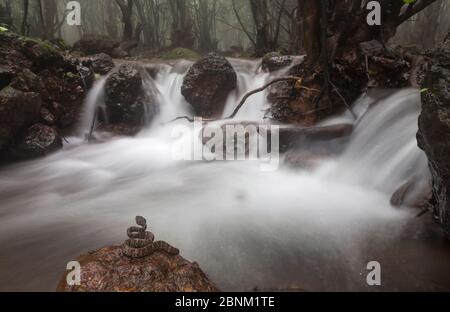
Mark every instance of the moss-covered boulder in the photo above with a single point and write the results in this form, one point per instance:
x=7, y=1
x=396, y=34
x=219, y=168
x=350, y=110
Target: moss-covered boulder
x=39, y=84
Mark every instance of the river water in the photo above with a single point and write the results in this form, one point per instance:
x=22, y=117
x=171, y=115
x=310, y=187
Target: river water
x=248, y=229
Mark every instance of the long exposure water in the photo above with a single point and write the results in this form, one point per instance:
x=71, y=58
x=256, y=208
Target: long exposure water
x=248, y=229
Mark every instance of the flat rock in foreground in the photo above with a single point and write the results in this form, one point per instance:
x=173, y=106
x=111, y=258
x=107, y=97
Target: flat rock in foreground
x=108, y=270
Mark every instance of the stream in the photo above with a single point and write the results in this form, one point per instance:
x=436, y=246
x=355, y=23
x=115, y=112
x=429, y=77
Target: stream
x=291, y=230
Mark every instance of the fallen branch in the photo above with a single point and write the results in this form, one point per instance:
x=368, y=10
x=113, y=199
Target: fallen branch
x=246, y=97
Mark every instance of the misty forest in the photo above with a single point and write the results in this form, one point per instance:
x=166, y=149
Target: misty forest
x=224, y=145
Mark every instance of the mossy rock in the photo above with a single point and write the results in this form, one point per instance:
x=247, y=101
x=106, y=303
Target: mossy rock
x=38, y=49
x=180, y=53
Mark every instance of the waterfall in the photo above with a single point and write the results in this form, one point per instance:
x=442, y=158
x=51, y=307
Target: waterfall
x=288, y=229
x=94, y=99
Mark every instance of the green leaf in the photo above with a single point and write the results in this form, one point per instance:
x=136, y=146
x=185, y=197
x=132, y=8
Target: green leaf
x=3, y=29
x=424, y=90
x=409, y=1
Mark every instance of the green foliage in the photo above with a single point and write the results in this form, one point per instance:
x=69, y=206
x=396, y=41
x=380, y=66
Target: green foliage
x=3, y=29
x=180, y=53
x=409, y=1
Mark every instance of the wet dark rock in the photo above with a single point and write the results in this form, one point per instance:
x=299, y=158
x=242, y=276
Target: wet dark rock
x=126, y=99
x=38, y=141
x=7, y=73
x=411, y=194
x=101, y=63
x=87, y=76
x=41, y=82
x=47, y=116
x=27, y=81
x=42, y=53
x=17, y=111
x=94, y=44
x=399, y=196
x=275, y=61
x=351, y=74
x=208, y=84
x=434, y=130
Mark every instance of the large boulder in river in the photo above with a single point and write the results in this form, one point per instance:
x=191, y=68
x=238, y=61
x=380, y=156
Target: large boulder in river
x=127, y=103
x=141, y=264
x=17, y=110
x=434, y=130
x=208, y=84
x=108, y=270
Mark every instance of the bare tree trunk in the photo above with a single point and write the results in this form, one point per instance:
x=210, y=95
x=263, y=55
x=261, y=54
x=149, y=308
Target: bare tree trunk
x=181, y=24
x=25, y=27
x=126, y=7
x=111, y=23
x=311, y=30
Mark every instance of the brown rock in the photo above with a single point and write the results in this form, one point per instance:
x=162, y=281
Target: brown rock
x=208, y=84
x=108, y=270
x=17, y=111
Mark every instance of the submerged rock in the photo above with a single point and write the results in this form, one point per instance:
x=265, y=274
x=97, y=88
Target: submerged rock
x=208, y=84
x=434, y=131
x=139, y=265
x=294, y=137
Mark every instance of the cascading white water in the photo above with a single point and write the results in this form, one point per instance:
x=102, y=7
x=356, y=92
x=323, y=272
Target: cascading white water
x=94, y=99
x=246, y=228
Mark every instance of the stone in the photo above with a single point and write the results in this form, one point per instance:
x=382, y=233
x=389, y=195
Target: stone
x=17, y=111
x=208, y=84
x=38, y=141
x=101, y=63
x=141, y=264
x=434, y=131
x=275, y=61
x=126, y=100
